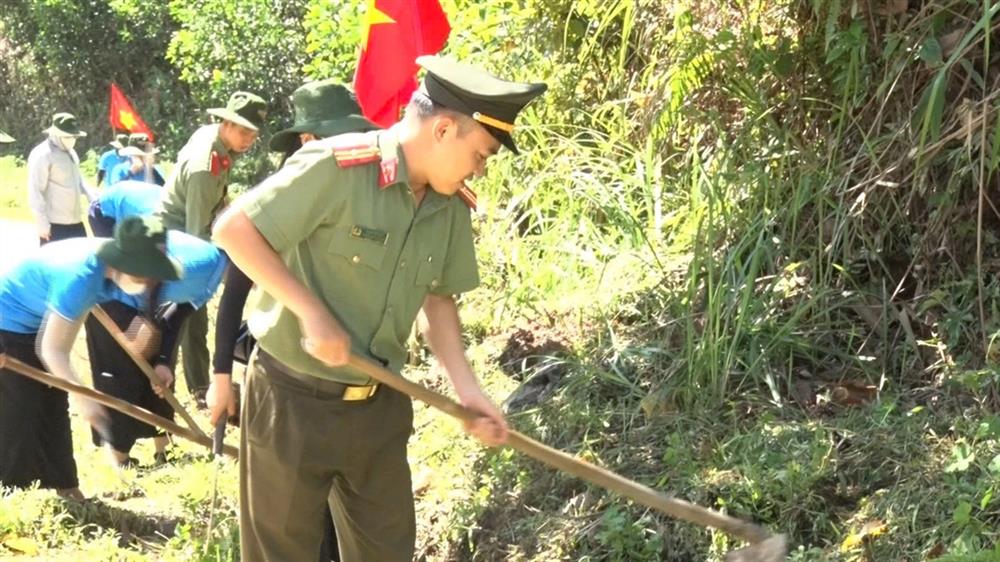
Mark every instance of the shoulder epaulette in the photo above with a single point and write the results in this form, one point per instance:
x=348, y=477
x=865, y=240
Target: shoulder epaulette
x=354, y=149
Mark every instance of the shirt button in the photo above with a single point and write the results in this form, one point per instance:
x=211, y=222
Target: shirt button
x=430, y=259
x=388, y=309
x=402, y=264
x=434, y=283
x=356, y=259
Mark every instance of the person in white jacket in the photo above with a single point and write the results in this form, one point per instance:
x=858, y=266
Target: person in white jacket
x=55, y=182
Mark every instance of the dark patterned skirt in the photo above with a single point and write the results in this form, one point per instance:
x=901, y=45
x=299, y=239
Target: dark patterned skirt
x=36, y=443
x=115, y=374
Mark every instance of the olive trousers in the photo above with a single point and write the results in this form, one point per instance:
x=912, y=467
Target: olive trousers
x=304, y=449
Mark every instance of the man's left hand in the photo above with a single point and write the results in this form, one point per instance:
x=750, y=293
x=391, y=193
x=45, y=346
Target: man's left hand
x=491, y=426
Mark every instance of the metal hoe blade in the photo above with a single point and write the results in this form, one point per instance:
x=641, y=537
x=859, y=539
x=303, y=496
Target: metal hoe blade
x=773, y=549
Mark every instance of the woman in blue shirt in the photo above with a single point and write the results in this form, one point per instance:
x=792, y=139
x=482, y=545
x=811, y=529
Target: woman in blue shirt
x=123, y=199
x=162, y=312
x=138, y=166
x=111, y=158
x=43, y=300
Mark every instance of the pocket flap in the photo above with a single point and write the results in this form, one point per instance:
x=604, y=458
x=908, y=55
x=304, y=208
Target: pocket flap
x=357, y=250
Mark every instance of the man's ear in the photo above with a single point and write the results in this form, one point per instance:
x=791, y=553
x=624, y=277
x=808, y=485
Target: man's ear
x=441, y=126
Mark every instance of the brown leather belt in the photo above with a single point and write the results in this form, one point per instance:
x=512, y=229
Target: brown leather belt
x=347, y=392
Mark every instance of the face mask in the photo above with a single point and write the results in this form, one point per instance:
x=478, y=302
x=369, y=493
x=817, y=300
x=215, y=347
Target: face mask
x=130, y=285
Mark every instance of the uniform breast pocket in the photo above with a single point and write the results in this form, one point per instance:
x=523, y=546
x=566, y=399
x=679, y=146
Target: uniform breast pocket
x=429, y=272
x=361, y=252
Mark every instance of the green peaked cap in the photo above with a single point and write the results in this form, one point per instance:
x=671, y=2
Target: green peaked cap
x=464, y=88
x=324, y=108
x=4, y=137
x=64, y=124
x=139, y=248
x=243, y=108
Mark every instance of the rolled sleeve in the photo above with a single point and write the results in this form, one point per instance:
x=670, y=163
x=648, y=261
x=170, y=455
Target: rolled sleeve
x=73, y=297
x=288, y=206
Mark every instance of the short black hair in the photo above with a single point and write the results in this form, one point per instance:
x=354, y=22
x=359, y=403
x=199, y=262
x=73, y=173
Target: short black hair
x=423, y=107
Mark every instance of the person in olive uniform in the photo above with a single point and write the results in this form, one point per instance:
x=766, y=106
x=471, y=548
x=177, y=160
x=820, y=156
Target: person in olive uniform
x=195, y=192
x=348, y=241
x=322, y=109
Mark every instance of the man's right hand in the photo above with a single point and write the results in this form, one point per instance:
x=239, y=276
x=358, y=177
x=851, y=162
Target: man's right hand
x=45, y=232
x=324, y=339
x=220, y=398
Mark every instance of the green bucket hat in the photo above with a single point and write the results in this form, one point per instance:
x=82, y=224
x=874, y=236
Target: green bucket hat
x=139, y=248
x=493, y=102
x=119, y=142
x=5, y=138
x=324, y=108
x=64, y=124
x=243, y=108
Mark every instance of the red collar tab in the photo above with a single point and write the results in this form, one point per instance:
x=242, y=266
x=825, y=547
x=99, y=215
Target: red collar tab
x=387, y=172
x=467, y=196
x=220, y=163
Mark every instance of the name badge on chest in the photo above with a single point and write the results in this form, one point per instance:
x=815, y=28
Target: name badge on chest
x=372, y=234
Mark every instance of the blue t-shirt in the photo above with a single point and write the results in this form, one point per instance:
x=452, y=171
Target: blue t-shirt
x=65, y=277
x=203, y=263
x=109, y=160
x=129, y=199
x=123, y=172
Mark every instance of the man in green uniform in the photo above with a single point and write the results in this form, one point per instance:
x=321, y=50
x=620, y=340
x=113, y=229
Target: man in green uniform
x=195, y=192
x=354, y=236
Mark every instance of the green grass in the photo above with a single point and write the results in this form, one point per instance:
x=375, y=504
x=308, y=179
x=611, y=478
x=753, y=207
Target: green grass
x=13, y=189
x=726, y=217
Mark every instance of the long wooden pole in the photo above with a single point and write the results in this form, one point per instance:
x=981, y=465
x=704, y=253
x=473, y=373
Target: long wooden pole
x=118, y=404
x=145, y=367
x=602, y=477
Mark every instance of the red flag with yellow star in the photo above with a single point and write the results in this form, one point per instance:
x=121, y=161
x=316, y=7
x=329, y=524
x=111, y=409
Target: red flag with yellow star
x=123, y=116
x=395, y=33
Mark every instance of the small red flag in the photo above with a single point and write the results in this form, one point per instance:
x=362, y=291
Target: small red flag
x=395, y=33
x=122, y=115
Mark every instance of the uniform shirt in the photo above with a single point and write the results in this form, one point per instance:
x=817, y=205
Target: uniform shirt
x=54, y=185
x=197, y=184
x=129, y=199
x=109, y=160
x=65, y=277
x=203, y=264
x=370, y=254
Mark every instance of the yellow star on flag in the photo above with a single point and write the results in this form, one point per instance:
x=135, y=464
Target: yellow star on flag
x=127, y=119
x=373, y=16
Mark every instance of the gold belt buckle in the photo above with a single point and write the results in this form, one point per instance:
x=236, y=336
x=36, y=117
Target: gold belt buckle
x=353, y=393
